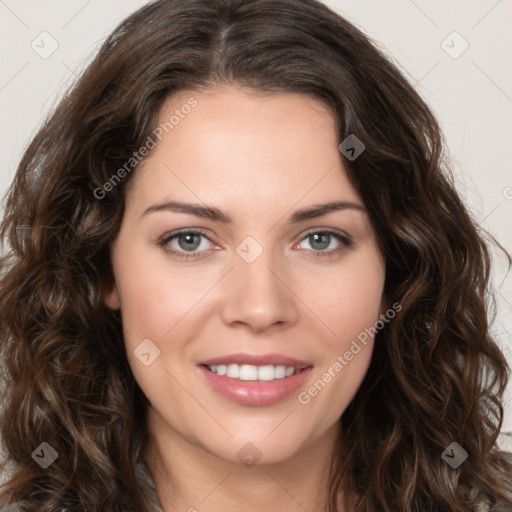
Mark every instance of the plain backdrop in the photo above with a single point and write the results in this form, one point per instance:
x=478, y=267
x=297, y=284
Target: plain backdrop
x=453, y=51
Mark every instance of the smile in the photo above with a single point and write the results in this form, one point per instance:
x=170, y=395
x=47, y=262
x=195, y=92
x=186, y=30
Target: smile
x=252, y=372
x=255, y=379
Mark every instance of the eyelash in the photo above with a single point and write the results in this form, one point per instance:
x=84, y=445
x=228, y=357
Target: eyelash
x=345, y=240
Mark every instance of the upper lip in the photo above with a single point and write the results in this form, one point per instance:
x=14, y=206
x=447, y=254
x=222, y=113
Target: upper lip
x=257, y=360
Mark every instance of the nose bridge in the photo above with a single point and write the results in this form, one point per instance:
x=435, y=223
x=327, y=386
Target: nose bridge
x=258, y=294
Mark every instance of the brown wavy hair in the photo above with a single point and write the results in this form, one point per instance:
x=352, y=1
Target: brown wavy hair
x=436, y=374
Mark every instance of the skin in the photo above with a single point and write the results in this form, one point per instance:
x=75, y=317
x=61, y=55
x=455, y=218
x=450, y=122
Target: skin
x=258, y=159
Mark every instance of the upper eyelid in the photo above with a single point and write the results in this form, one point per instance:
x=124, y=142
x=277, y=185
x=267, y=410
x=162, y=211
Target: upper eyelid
x=173, y=234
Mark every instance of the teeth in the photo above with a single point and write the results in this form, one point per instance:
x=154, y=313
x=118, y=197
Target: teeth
x=266, y=372
x=251, y=372
x=233, y=371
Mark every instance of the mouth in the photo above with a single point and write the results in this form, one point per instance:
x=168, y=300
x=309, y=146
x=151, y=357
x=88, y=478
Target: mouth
x=257, y=380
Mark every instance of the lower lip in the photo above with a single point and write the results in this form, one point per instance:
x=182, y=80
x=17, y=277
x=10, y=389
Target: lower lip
x=255, y=392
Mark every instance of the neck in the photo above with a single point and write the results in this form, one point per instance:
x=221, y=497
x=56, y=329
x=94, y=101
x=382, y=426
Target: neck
x=189, y=478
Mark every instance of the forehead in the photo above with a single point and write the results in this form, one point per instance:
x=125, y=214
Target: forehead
x=235, y=145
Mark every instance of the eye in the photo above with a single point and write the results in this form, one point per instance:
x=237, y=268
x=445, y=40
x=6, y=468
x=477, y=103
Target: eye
x=327, y=243
x=185, y=244
x=192, y=244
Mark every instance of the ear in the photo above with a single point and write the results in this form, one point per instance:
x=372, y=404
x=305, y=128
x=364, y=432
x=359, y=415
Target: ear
x=112, y=298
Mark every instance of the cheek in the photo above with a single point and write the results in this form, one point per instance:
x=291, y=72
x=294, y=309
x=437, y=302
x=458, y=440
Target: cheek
x=160, y=303
x=348, y=302
x=355, y=306
x=348, y=299
x=155, y=295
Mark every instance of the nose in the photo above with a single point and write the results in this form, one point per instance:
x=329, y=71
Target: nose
x=259, y=296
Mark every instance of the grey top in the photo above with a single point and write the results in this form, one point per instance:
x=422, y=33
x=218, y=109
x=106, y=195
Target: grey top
x=146, y=479
x=145, y=476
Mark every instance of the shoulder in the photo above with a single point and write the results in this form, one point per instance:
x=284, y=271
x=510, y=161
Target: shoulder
x=146, y=479
x=503, y=505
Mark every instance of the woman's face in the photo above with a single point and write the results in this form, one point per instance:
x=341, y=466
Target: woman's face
x=268, y=289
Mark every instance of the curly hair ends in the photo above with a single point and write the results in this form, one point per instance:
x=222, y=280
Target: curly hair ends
x=436, y=375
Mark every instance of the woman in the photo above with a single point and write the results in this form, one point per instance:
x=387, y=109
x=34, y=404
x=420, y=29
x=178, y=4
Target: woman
x=240, y=277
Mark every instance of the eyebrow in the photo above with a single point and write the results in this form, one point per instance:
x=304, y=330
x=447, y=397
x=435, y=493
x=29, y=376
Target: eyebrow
x=212, y=213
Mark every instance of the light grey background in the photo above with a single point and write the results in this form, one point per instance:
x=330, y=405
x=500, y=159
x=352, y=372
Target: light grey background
x=470, y=93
